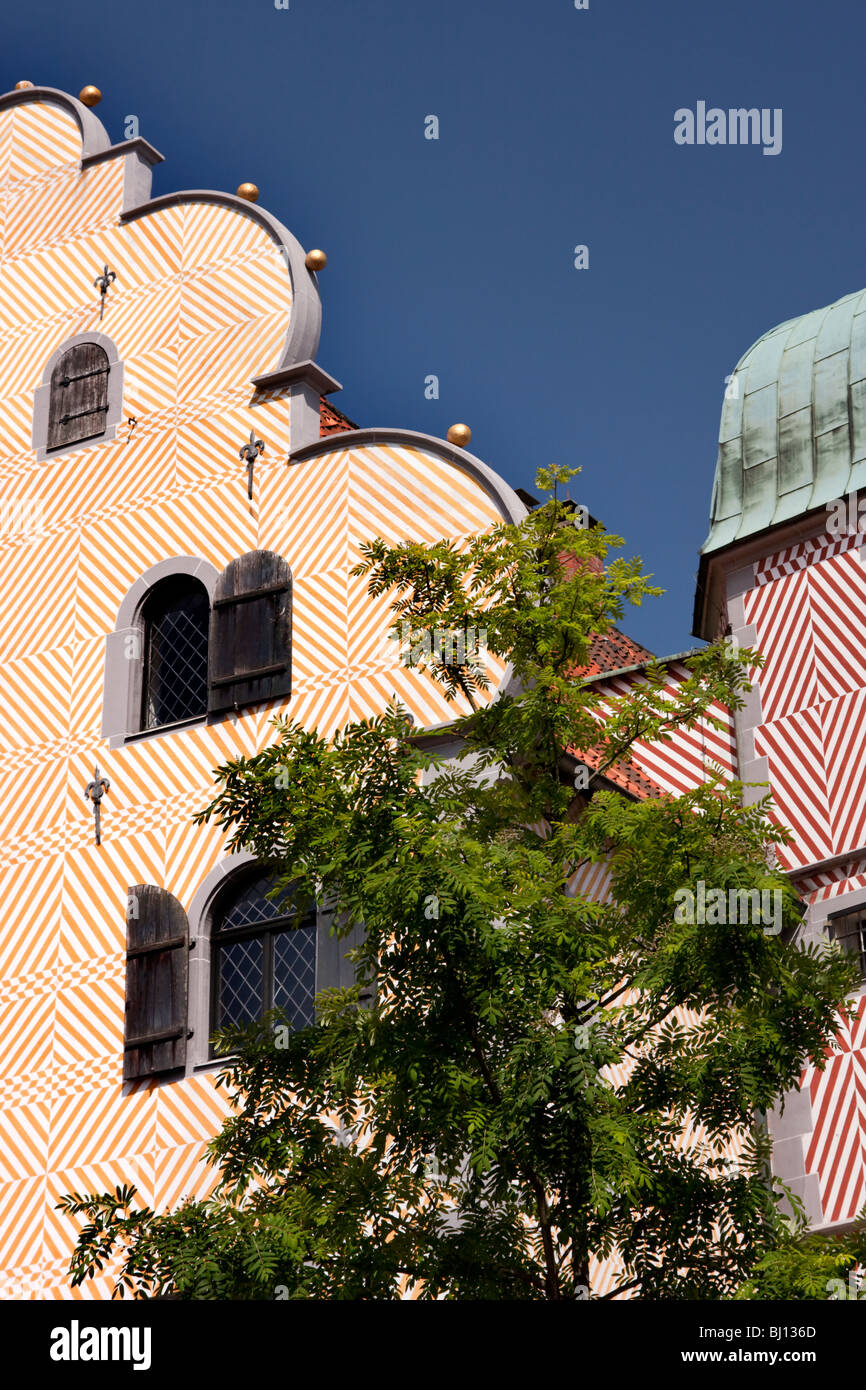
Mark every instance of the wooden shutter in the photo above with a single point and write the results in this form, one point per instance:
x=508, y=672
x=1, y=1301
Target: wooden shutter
x=157, y=970
x=78, y=404
x=333, y=970
x=250, y=652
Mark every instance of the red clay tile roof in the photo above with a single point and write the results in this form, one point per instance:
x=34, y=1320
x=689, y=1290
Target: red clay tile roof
x=625, y=775
x=611, y=652
x=333, y=421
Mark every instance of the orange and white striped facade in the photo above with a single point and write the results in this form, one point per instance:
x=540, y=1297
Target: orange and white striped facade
x=210, y=294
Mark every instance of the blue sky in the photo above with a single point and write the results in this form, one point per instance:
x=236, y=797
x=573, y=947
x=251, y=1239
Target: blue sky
x=455, y=257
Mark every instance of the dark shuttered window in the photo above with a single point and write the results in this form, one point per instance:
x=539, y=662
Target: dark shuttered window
x=78, y=404
x=250, y=632
x=849, y=929
x=263, y=953
x=176, y=618
x=157, y=970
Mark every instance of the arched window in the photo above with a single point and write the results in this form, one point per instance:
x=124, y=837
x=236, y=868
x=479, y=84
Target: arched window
x=79, y=400
x=253, y=953
x=78, y=405
x=176, y=617
x=263, y=954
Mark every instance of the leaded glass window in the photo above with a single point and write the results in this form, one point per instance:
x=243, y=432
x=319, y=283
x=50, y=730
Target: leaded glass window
x=264, y=956
x=176, y=619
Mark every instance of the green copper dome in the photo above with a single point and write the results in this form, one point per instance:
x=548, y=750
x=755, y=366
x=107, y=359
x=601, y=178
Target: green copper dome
x=793, y=429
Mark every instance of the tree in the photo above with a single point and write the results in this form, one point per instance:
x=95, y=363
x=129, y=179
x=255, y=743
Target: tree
x=810, y=1267
x=505, y=1090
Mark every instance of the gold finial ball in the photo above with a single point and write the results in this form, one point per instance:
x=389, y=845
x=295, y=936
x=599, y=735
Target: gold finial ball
x=248, y=191
x=90, y=96
x=22, y=86
x=315, y=260
x=459, y=435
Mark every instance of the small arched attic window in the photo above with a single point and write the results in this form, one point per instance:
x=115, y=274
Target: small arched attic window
x=78, y=402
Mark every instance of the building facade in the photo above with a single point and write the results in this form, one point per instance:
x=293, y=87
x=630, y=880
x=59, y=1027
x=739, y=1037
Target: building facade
x=126, y=527
x=180, y=512
x=783, y=570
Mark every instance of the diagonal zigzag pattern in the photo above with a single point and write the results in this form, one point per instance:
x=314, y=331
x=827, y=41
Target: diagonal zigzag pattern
x=782, y=614
x=40, y=142
x=809, y=611
x=837, y=594
x=844, y=736
x=200, y=306
x=685, y=760
x=796, y=756
x=808, y=607
x=822, y=885
x=837, y=1147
